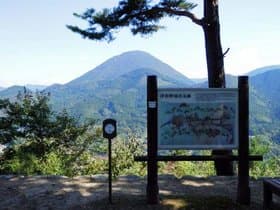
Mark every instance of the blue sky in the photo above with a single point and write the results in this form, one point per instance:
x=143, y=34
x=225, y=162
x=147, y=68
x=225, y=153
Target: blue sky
x=37, y=48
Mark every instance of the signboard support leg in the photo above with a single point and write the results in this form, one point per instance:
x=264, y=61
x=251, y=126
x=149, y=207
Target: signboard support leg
x=243, y=191
x=152, y=136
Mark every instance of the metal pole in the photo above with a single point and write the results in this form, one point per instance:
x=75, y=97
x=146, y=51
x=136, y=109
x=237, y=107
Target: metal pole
x=109, y=132
x=110, y=170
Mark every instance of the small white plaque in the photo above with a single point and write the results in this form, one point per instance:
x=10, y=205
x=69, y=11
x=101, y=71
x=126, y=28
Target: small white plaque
x=152, y=104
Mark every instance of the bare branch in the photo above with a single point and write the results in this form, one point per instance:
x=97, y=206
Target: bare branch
x=226, y=52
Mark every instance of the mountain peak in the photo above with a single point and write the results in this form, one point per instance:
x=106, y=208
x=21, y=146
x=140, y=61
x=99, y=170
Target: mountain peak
x=135, y=53
x=127, y=62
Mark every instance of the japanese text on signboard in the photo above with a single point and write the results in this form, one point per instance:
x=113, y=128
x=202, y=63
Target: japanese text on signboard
x=197, y=118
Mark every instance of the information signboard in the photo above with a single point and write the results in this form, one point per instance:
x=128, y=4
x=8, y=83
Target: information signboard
x=198, y=118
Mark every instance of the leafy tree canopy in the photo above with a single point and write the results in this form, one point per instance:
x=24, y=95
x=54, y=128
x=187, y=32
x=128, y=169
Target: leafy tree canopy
x=31, y=120
x=142, y=16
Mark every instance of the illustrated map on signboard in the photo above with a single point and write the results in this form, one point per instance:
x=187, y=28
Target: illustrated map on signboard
x=197, y=119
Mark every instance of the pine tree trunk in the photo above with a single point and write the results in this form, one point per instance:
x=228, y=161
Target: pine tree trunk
x=215, y=66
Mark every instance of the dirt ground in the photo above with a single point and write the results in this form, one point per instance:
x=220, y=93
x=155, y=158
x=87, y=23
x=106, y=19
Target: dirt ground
x=129, y=192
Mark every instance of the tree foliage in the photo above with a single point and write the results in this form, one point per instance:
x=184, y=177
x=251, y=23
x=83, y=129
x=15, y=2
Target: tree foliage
x=123, y=157
x=31, y=131
x=270, y=166
x=42, y=142
x=30, y=118
x=142, y=16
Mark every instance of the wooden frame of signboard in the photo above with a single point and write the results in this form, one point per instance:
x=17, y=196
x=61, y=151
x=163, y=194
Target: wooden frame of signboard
x=243, y=158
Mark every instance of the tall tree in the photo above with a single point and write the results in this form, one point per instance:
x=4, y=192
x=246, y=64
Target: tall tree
x=143, y=16
x=31, y=119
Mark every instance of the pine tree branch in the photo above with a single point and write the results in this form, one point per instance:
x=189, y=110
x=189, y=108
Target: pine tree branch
x=184, y=13
x=141, y=18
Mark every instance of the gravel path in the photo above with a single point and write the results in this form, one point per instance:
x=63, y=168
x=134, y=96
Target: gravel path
x=58, y=192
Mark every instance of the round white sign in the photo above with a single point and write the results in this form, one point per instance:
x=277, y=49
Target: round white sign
x=109, y=128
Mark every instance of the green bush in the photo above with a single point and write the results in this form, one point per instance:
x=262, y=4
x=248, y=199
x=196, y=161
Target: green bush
x=86, y=164
x=123, y=157
x=22, y=163
x=52, y=164
x=270, y=166
x=183, y=168
x=205, y=168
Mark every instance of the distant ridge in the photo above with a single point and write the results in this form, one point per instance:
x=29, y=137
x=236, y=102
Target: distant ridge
x=127, y=62
x=35, y=87
x=14, y=88
x=263, y=70
x=12, y=92
x=117, y=89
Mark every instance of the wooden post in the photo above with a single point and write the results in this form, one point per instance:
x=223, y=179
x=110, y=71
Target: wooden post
x=152, y=134
x=267, y=195
x=243, y=191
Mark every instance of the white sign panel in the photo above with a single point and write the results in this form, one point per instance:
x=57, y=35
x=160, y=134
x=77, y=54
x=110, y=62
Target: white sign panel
x=198, y=118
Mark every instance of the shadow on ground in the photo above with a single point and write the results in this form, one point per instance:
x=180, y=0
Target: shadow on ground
x=129, y=192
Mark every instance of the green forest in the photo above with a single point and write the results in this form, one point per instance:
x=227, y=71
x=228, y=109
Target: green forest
x=39, y=141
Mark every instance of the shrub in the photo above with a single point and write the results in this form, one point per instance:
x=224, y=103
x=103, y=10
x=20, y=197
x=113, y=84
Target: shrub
x=52, y=164
x=22, y=163
x=123, y=157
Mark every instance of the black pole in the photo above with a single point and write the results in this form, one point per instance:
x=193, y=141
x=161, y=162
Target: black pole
x=152, y=182
x=110, y=132
x=110, y=169
x=243, y=191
